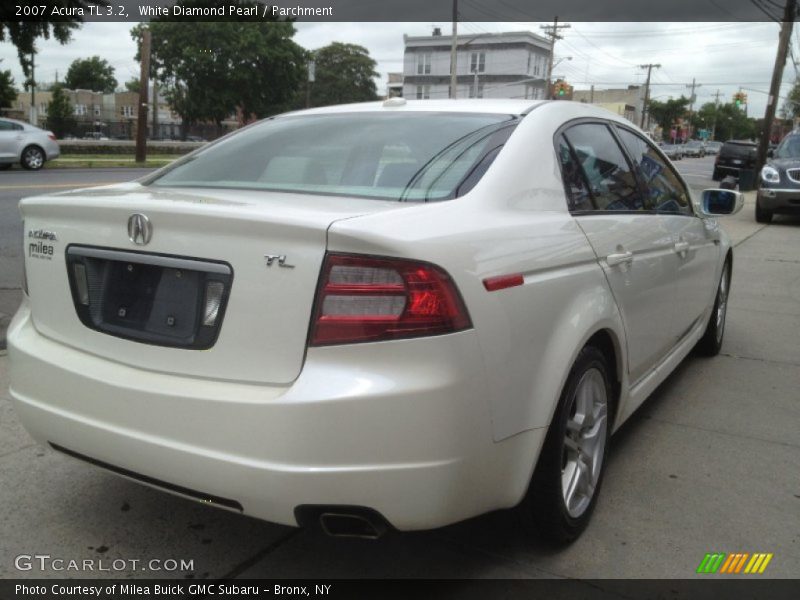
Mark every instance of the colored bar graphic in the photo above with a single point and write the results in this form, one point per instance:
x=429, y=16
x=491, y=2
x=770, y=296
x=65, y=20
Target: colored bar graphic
x=711, y=562
x=722, y=563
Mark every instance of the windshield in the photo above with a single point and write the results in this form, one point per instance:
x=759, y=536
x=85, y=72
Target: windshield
x=789, y=147
x=390, y=156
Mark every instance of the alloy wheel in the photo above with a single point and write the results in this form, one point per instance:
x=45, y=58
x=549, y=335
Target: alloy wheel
x=584, y=442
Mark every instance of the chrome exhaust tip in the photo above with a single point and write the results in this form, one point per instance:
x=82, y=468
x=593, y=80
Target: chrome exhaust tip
x=338, y=524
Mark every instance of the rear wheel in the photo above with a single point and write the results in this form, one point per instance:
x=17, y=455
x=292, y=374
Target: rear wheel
x=716, y=175
x=711, y=342
x=567, y=478
x=762, y=215
x=33, y=158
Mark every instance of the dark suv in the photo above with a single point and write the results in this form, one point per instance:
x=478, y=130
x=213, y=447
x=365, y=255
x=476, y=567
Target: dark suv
x=734, y=156
x=779, y=184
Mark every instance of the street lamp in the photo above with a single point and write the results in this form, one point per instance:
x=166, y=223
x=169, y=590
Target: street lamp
x=560, y=60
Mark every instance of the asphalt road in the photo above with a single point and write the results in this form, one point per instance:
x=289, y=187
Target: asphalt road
x=709, y=463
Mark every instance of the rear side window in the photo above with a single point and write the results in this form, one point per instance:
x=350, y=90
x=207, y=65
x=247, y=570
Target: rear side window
x=409, y=156
x=665, y=192
x=609, y=177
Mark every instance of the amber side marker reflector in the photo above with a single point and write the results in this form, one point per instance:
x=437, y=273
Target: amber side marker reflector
x=501, y=282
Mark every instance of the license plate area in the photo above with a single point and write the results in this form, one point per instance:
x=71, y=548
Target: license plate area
x=149, y=298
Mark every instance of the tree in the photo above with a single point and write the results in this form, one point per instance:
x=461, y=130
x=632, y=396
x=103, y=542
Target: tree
x=59, y=112
x=210, y=70
x=791, y=107
x=23, y=34
x=8, y=92
x=133, y=85
x=91, y=74
x=344, y=73
x=667, y=113
x=726, y=120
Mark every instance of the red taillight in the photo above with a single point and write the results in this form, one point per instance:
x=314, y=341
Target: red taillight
x=368, y=299
x=51, y=135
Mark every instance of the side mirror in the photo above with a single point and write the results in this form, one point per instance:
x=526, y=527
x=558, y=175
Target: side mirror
x=770, y=153
x=720, y=203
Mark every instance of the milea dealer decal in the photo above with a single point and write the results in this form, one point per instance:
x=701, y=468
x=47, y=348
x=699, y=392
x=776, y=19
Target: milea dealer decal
x=41, y=248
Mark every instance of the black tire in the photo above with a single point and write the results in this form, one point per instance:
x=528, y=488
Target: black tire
x=711, y=342
x=762, y=215
x=716, y=176
x=544, y=510
x=33, y=158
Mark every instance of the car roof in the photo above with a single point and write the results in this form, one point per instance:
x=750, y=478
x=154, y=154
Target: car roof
x=488, y=106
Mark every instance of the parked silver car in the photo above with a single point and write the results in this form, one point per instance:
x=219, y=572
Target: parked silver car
x=25, y=144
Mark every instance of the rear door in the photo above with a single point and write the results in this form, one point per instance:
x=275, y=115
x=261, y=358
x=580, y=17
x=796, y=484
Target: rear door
x=633, y=243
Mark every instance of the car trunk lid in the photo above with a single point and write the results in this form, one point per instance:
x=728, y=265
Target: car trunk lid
x=147, y=305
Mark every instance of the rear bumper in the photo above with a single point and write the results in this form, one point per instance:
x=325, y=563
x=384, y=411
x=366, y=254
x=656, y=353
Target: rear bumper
x=779, y=200
x=729, y=170
x=402, y=428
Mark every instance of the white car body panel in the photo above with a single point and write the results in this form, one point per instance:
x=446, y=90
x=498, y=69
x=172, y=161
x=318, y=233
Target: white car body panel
x=427, y=431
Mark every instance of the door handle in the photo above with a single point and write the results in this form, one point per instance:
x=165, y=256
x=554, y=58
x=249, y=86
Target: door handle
x=619, y=258
x=681, y=247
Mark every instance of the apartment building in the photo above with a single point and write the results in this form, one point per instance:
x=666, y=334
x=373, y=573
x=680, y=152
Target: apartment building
x=488, y=65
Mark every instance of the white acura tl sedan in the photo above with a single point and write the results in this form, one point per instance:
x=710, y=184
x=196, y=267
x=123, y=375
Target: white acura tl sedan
x=397, y=314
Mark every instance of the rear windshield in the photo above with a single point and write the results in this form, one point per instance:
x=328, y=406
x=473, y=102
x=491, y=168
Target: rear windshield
x=412, y=156
x=740, y=150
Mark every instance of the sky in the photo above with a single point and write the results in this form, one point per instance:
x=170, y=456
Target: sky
x=718, y=56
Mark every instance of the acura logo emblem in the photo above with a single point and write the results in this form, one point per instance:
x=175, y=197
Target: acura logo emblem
x=140, y=229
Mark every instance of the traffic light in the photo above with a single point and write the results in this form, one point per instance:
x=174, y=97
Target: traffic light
x=739, y=98
x=562, y=90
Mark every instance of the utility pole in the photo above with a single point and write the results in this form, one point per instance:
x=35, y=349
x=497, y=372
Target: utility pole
x=649, y=68
x=789, y=12
x=144, y=83
x=312, y=75
x=155, y=108
x=551, y=31
x=692, y=99
x=454, y=54
x=33, y=91
x=716, y=108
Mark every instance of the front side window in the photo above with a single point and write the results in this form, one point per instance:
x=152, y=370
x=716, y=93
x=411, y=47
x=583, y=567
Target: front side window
x=388, y=156
x=665, y=192
x=609, y=177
